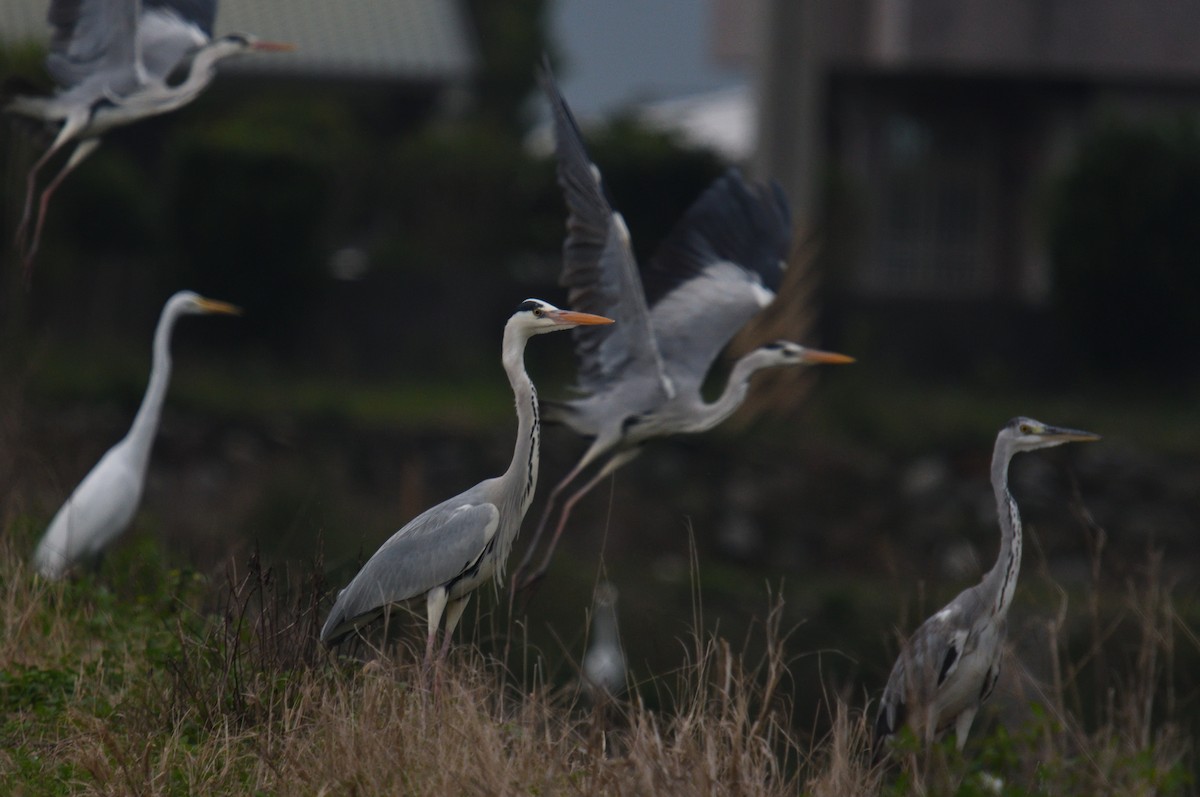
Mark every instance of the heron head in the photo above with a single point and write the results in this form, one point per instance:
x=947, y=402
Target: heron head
x=193, y=303
x=537, y=316
x=785, y=352
x=1027, y=434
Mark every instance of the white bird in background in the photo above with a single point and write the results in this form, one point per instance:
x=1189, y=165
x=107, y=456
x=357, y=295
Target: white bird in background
x=449, y=550
x=642, y=379
x=950, y=665
x=104, y=503
x=604, y=662
x=115, y=62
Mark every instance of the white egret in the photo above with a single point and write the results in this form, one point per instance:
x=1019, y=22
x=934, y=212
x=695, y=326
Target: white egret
x=104, y=503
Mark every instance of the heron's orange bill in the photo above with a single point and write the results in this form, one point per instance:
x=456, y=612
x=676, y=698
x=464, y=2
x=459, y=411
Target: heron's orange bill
x=213, y=306
x=826, y=357
x=572, y=317
x=273, y=47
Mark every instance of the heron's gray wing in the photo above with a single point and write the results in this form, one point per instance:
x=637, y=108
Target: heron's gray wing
x=434, y=548
x=930, y=658
x=94, y=39
x=599, y=270
x=720, y=265
x=201, y=13
x=170, y=30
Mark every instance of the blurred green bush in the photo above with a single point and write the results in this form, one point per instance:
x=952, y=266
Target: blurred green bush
x=1125, y=239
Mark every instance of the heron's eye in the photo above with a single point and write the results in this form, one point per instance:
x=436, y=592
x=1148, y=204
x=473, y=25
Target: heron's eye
x=539, y=312
x=1026, y=429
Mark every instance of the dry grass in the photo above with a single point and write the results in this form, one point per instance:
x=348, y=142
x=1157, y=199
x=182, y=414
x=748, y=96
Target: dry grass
x=174, y=692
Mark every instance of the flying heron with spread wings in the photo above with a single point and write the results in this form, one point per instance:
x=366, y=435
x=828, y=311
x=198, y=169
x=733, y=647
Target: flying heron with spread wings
x=720, y=265
x=115, y=62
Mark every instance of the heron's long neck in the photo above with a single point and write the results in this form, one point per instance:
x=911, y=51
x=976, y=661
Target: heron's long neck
x=523, y=470
x=145, y=424
x=1001, y=580
x=731, y=397
x=201, y=70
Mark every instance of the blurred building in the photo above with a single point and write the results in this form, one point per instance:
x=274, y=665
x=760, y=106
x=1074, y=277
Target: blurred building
x=936, y=125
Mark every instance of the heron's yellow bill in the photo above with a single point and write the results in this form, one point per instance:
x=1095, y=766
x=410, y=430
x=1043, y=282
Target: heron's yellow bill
x=214, y=306
x=826, y=357
x=572, y=317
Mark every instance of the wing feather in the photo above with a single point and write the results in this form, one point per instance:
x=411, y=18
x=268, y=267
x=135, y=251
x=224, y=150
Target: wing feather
x=93, y=39
x=721, y=264
x=433, y=549
x=599, y=270
x=201, y=13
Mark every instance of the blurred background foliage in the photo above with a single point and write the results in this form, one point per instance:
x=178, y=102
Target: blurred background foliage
x=1126, y=247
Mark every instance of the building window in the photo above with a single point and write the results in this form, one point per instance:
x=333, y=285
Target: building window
x=935, y=197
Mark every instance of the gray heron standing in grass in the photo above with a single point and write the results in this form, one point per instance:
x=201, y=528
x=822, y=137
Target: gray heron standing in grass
x=115, y=62
x=642, y=379
x=104, y=503
x=950, y=665
x=449, y=550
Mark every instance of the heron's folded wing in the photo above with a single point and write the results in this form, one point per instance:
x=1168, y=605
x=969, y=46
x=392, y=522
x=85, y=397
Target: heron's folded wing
x=433, y=549
x=720, y=265
x=599, y=270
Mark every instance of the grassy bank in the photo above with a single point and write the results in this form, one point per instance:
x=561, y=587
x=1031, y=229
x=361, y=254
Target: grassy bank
x=162, y=682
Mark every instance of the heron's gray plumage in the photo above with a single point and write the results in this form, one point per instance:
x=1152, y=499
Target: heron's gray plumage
x=720, y=265
x=599, y=270
x=726, y=255
x=440, y=547
x=951, y=663
x=454, y=547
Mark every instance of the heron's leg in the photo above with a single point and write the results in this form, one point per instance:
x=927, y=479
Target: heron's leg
x=962, y=726
x=614, y=462
x=597, y=448
x=435, y=605
x=454, y=612
x=82, y=150
x=71, y=127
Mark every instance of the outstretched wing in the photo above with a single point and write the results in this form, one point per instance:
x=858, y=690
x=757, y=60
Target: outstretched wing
x=721, y=264
x=433, y=549
x=201, y=13
x=170, y=30
x=599, y=270
x=94, y=39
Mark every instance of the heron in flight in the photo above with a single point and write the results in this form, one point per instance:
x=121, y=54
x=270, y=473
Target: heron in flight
x=115, y=62
x=950, y=665
x=719, y=266
x=104, y=503
x=449, y=550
